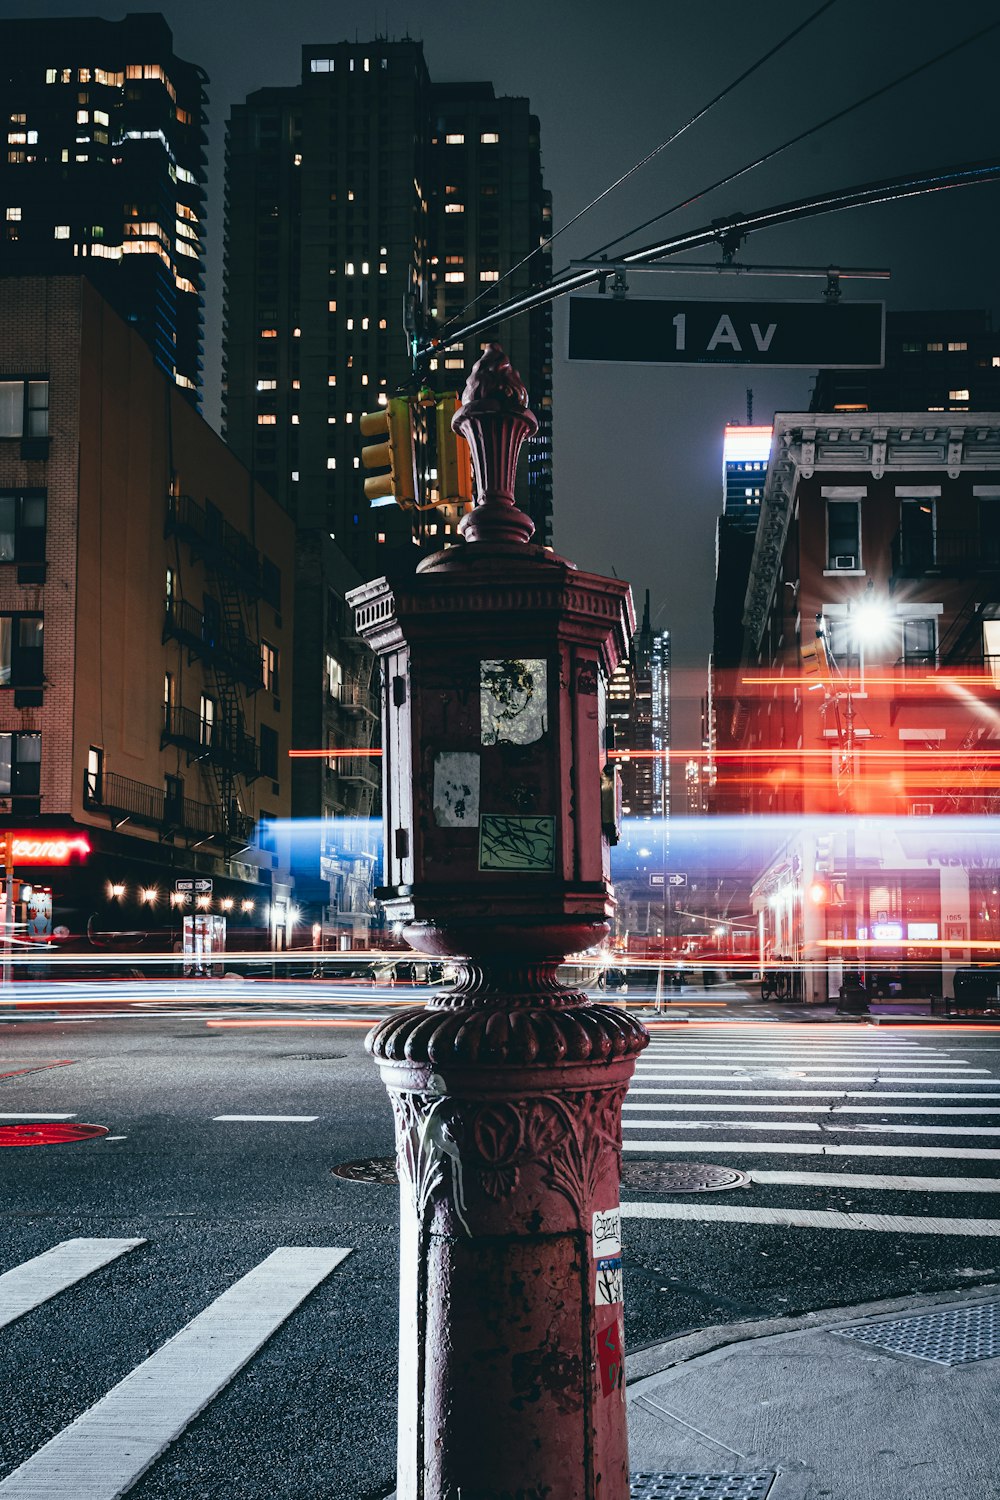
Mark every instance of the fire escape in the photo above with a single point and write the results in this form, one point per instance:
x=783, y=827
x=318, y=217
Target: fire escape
x=223, y=637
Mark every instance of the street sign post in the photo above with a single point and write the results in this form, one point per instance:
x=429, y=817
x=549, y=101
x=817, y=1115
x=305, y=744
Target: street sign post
x=662, y=331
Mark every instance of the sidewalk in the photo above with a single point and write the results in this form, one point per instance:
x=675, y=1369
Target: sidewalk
x=831, y=1417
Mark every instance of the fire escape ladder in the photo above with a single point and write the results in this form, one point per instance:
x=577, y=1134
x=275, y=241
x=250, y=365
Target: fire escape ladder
x=962, y=633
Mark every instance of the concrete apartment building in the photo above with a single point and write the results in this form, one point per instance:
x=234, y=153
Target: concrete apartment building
x=103, y=171
x=146, y=616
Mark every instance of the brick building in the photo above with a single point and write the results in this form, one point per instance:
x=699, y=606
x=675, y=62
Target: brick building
x=145, y=631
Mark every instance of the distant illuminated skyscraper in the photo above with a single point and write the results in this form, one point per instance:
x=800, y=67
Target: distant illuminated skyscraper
x=745, y=452
x=660, y=677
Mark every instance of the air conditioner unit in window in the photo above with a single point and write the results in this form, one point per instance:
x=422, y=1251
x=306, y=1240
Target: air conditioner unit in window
x=845, y=560
x=922, y=809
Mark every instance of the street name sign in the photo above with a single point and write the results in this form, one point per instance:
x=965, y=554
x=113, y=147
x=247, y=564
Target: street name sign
x=201, y=887
x=660, y=331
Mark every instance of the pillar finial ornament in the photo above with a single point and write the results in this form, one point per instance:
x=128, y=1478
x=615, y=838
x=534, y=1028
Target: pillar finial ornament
x=495, y=419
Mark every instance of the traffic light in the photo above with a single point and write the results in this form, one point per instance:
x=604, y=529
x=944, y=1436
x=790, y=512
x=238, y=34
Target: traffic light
x=815, y=662
x=396, y=454
x=454, y=460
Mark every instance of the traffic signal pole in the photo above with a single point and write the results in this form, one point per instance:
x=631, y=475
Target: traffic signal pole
x=8, y=905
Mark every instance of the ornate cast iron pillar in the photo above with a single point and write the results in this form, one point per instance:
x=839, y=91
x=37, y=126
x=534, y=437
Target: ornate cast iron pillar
x=507, y=1089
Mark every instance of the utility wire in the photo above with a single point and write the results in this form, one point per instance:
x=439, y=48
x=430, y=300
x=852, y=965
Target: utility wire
x=544, y=244
x=769, y=155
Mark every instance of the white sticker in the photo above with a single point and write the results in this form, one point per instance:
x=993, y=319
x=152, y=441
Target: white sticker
x=513, y=700
x=607, y=1232
x=608, y=1287
x=456, y=788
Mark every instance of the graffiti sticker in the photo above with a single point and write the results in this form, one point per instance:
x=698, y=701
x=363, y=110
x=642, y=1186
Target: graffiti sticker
x=607, y=1232
x=610, y=1357
x=608, y=1290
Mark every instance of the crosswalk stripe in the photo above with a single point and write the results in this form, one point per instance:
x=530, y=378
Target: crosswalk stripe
x=714, y=1124
x=832, y=1109
x=809, y=1148
x=818, y=1094
x=870, y=1181
x=272, y=1119
x=29, y=1285
x=833, y=1129
x=103, y=1453
x=803, y=1218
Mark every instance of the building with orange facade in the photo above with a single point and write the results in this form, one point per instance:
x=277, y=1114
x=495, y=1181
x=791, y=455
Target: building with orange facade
x=866, y=701
x=145, y=636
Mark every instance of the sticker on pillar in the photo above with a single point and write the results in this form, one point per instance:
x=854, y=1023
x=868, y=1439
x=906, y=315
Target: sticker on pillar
x=456, y=788
x=515, y=843
x=607, y=1232
x=513, y=701
x=608, y=1287
x=610, y=1356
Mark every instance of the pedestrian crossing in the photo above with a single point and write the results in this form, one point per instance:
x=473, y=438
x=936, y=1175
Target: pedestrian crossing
x=744, y=1094
x=102, y=1454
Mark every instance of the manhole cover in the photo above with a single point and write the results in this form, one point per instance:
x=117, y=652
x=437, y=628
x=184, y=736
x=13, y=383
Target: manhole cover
x=700, y=1486
x=380, y=1169
x=954, y=1336
x=46, y=1133
x=680, y=1177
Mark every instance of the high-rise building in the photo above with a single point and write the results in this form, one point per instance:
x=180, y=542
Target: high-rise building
x=104, y=171
x=934, y=361
x=362, y=196
x=359, y=192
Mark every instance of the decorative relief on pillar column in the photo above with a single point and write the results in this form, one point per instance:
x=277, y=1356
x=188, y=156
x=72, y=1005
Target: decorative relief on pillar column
x=448, y=1146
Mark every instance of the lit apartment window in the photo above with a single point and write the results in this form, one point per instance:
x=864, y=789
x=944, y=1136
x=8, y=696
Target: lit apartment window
x=321, y=65
x=383, y=269
x=331, y=306
x=455, y=139
x=334, y=674
x=206, y=719
x=331, y=463
x=489, y=275
x=269, y=666
x=13, y=215
x=958, y=395
x=995, y=362
x=331, y=380
x=20, y=765
x=365, y=268
x=454, y=364
x=269, y=333
x=295, y=423
x=94, y=774
x=267, y=385
x=350, y=325
x=349, y=417
x=83, y=117
x=957, y=347
x=266, y=419
x=454, y=208
x=24, y=408
x=454, y=276
x=380, y=537
x=489, y=138
x=357, y=463
x=935, y=348
x=349, y=267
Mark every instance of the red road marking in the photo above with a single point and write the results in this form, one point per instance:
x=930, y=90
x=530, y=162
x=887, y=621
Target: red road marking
x=67, y=1062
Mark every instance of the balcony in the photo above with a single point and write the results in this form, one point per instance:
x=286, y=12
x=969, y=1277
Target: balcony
x=354, y=699
x=361, y=769
x=232, y=749
x=236, y=655
x=222, y=547
x=956, y=553
x=127, y=801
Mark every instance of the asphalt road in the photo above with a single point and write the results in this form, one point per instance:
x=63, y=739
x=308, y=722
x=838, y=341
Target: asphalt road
x=312, y=1414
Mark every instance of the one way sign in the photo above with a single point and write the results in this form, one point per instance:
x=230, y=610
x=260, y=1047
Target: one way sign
x=677, y=880
x=657, y=331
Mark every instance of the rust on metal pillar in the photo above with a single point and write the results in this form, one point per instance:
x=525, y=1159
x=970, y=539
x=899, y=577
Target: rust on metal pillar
x=507, y=1089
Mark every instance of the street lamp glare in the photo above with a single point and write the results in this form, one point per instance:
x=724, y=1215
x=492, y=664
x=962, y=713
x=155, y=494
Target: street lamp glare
x=872, y=620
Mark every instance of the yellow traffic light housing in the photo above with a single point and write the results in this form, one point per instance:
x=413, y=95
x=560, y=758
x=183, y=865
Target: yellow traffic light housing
x=454, y=458
x=396, y=453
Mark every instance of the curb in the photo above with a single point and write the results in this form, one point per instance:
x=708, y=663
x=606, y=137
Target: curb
x=656, y=1359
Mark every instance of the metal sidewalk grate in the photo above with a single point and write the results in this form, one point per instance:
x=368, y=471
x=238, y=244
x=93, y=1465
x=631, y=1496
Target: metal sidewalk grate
x=700, y=1486
x=953, y=1336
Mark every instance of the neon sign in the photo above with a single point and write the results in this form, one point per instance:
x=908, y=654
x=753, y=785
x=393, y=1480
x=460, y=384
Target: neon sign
x=47, y=848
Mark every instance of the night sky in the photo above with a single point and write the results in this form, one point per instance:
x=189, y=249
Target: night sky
x=638, y=451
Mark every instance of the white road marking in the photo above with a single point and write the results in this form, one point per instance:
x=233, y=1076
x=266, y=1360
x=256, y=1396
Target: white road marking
x=103, y=1453
x=881, y=1184
x=273, y=1119
x=714, y=1125
x=833, y=1109
x=817, y=1094
x=35, y=1114
x=115, y=1138
x=812, y=1148
x=736, y=1074
x=42, y=1277
x=803, y=1218
x=918, y=1129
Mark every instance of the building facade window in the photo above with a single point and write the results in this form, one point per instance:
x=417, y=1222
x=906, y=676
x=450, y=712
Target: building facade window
x=93, y=786
x=917, y=532
x=21, y=650
x=24, y=408
x=269, y=752
x=919, y=642
x=22, y=526
x=21, y=767
x=206, y=719
x=269, y=666
x=843, y=532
